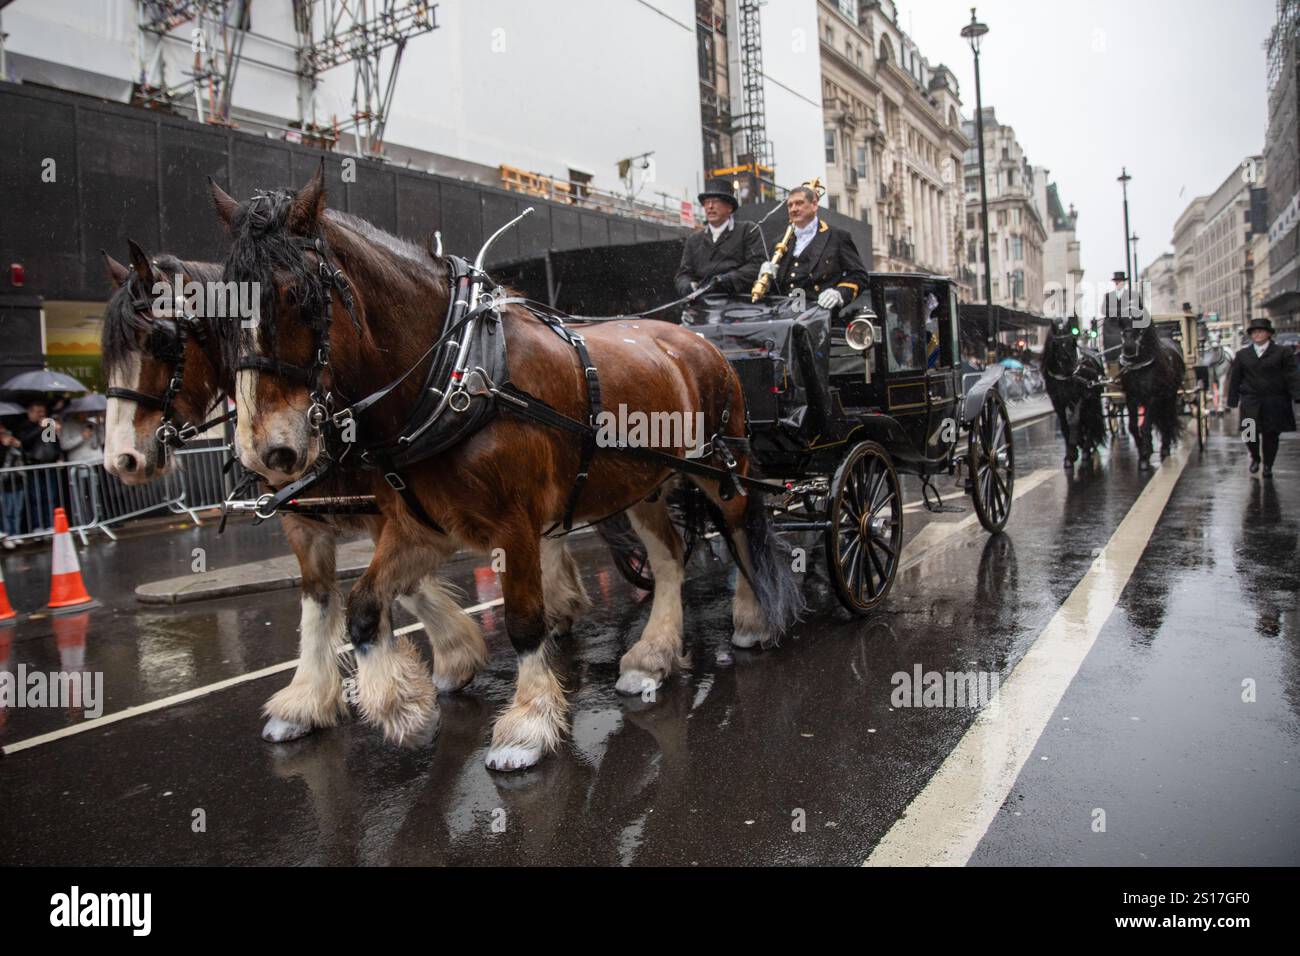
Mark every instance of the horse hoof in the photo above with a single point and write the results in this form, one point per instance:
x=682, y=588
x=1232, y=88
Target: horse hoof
x=279, y=731
x=636, y=683
x=747, y=640
x=512, y=757
x=447, y=684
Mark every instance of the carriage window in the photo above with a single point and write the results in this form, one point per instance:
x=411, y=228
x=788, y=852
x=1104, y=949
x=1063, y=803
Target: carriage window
x=905, y=334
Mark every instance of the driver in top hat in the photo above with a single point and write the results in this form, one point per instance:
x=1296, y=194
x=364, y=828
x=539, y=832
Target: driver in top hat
x=824, y=260
x=725, y=255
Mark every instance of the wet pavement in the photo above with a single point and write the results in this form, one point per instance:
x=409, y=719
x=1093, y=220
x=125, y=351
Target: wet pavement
x=794, y=755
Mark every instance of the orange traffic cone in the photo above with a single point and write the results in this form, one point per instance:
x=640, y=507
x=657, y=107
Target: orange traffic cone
x=67, y=592
x=7, y=613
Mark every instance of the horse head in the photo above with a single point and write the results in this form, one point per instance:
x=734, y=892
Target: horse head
x=281, y=360
x=1062, y=349
x=162, y=374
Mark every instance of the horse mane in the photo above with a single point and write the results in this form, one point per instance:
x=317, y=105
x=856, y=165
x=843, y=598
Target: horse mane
x=119, y=339
x=263, y=246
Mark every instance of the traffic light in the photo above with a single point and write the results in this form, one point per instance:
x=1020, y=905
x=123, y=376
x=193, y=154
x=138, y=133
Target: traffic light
x=1092, y=332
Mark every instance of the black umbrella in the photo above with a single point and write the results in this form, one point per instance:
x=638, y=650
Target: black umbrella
x=46, y=380
x=93, y=402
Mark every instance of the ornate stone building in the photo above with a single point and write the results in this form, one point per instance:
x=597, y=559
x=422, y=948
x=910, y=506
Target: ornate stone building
x=1016, y=230
x=894, y=140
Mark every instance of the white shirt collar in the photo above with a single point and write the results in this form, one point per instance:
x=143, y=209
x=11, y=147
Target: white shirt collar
x=804, y=235
x=1261, y=349
x=719, y=230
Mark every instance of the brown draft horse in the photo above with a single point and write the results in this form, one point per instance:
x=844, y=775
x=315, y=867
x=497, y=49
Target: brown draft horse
x=135, y=359
x=500, y=488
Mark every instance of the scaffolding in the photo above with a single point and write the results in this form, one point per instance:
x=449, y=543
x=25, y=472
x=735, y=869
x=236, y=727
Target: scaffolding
x=752, y=123
x=1281, y=38
x=216, y=33
x=361, y=32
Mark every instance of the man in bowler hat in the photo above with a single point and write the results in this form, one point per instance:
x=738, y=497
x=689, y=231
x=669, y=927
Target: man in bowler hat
x=1264, y=381
x=725, y=255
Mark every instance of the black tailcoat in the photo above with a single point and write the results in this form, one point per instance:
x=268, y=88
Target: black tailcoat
x=830, y=261
x=1265, y=386
x=735, y=259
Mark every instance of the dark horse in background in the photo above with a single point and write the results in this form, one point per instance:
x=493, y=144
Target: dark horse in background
x=1074, y=376
x=1151, y=371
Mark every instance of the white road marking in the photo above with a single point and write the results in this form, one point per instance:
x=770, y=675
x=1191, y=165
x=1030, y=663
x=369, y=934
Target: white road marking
x=192, y=694
x=946, y=821
x=1024, y=485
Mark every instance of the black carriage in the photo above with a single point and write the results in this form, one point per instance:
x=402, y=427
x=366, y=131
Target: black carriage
x=840, y=404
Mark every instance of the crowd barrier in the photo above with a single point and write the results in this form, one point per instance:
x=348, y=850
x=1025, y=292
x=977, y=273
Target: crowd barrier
x=96, y=501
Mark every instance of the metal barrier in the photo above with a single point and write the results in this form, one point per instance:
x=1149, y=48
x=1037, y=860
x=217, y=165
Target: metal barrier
x=94, y=500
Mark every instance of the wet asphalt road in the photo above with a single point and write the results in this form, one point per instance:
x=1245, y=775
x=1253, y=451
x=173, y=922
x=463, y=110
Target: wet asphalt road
x=731, y=757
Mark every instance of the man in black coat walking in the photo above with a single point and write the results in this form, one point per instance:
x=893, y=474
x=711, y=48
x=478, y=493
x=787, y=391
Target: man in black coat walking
x=824, y=261
x=1264, y=381
x=725, y=255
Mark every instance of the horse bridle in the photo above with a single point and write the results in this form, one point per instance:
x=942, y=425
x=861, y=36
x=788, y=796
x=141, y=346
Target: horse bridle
x=166, y=343
x=313, y=377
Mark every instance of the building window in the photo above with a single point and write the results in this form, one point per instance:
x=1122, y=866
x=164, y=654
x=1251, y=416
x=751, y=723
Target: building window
x=1017, y=248
x=866, y=215
x=830, y=147
x=970, y=220
x=862, y=161
x=835, y=204
x=849, y=8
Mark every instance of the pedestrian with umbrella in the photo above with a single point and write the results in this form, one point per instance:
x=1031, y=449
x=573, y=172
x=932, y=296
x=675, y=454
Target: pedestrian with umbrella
x=1264, y=381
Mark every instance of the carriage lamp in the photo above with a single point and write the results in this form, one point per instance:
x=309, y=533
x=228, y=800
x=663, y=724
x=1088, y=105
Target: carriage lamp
x=860, y=334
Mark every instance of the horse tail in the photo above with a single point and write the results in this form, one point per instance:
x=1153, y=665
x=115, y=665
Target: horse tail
x=771, y=569
x=1092, y=422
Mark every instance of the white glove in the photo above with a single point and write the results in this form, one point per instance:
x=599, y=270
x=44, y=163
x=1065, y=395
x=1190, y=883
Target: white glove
x=767, y=270
x=830, y=299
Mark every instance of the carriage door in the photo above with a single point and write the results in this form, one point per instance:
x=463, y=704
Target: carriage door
x=938, y=306
x=905, y=381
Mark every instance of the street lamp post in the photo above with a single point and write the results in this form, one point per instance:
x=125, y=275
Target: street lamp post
x=1137, y=263
x=1124, y=180
x=974, y=32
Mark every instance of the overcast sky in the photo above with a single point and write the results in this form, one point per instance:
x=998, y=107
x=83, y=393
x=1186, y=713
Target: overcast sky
x=1172, y=89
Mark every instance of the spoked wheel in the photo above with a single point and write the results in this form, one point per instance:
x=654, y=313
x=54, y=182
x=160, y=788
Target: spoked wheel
x=864, y=542
x=629, y=554
x=1202, y=411
x=991, y=459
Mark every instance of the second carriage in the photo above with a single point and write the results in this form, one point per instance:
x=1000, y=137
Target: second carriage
x=841, y=404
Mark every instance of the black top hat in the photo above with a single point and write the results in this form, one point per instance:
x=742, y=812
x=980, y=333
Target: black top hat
x=1119, y=277
x=720, y=189
x=1260, y=323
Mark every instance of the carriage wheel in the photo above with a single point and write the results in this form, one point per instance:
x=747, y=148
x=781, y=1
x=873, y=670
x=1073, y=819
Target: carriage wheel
x=1202, y=419
x=864, y=541
x=629, y=554
x=991, y=458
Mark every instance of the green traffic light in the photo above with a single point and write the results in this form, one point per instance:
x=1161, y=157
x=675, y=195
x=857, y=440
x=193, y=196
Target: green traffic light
x=1074, y=330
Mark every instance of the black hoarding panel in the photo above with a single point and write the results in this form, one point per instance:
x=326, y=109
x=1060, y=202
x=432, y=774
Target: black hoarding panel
x=566, y=233
x=190, y=228
x=302, y=167
x=462, y=225
x=418, y=212
x=257, y=164
x=39, y=219
x=498, y=210
x=534, y=231
x=119, y=187
x=595, y=229
x=371, y=195
x=621, y=232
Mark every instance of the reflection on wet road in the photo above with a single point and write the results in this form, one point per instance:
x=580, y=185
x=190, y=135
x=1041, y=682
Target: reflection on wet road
x=795, y=755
